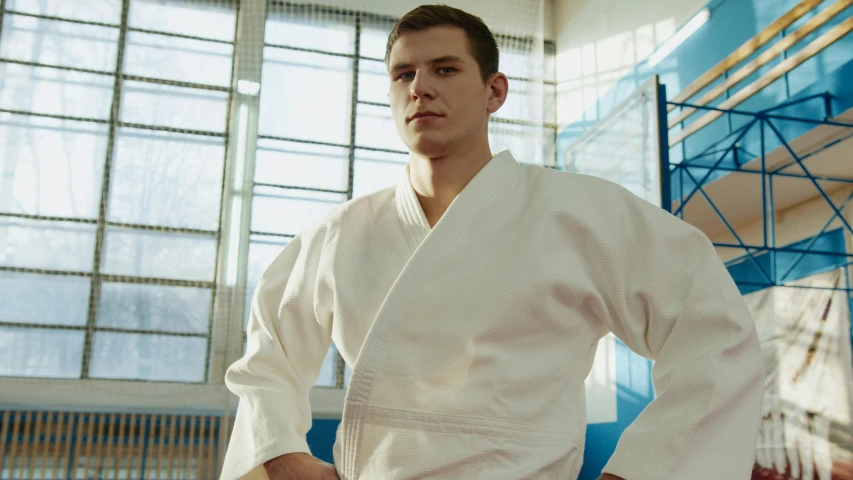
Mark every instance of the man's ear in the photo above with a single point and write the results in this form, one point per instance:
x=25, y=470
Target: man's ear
x=498, y=86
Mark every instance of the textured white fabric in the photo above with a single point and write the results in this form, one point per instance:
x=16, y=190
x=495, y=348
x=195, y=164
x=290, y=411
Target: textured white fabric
x=470, y=341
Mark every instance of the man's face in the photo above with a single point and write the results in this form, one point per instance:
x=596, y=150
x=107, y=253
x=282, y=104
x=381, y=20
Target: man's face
x=438, y=97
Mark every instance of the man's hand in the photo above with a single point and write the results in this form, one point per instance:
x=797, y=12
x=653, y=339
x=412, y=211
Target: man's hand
x=300, y=466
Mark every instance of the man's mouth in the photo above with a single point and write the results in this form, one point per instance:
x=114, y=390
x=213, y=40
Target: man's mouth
x=424, y=114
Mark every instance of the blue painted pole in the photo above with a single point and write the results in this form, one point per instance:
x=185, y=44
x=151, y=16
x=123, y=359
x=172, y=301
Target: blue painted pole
x=772, y=208
x=805, y=287
x=774, y=117
x=849, y=301
x=681, y=189
x=69, y=470
x=776, y=173
x=763, y=187
x=663, y=148
x=827, y=105
x=786, y=249
x=145, y=446
x=793, y=102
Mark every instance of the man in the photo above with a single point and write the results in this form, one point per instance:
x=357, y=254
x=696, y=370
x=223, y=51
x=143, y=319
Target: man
x=470, y=298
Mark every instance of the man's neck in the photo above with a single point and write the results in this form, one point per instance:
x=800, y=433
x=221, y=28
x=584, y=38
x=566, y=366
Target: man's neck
x=438, y=181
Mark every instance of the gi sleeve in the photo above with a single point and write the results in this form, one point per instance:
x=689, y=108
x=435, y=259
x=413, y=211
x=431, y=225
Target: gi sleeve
x=286, y=345
x=674, y=302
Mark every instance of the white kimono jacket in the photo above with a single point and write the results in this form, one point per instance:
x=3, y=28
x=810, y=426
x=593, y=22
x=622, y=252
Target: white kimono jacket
x=470, y=341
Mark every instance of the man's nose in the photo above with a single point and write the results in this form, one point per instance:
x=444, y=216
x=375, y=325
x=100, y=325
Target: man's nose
x=421, y=86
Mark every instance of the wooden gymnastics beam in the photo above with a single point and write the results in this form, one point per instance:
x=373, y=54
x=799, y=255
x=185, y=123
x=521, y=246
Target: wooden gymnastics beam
x=774, y=51
x=744, y=51
x=777, y=72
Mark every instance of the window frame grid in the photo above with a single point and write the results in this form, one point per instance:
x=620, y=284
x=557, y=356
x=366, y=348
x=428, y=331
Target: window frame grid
x=95, y=276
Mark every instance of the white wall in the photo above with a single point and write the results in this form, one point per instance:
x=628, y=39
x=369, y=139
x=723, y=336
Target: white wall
x=600, y=41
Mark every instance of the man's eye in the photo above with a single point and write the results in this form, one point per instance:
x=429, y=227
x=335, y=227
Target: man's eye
x=446, y=70
x=406, y=76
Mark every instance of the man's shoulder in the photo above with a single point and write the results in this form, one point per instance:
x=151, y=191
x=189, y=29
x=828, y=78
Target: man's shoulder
x=359, y=209
x=601, y=202
x=579, y=187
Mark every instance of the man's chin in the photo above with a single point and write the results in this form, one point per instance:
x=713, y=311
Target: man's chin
x=430, y=146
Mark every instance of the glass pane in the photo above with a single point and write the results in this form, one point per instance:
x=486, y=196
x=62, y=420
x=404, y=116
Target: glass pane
x=53, y=42
x=302, y=165
x=549, y=147
x=46, y=245
x=176, y=107
x=550, y=67
x=347, y=375
x=550, y=103
x=526, y=143
x=375, y=128
x=306, y=96
x=196, y=18
x=282, y=210
x=36, y=352
x=309, y=33
x=373, y=82
x=51, y=167
x=373, y=42
x=147, y=357
x=56, y=92
x=516, y=64
x=140, y=253
x=329, y=369
x=262, y=251
x=154, y=307
x=179, y=59
x=377, y=170
x=43, y=299
x=166, y=179
x=522, y=102
x=103, y=11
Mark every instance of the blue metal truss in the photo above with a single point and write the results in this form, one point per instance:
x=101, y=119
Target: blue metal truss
x=773, y=264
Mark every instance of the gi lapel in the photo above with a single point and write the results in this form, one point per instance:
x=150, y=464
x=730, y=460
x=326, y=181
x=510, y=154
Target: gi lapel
x=485, y=185
x=415, y=225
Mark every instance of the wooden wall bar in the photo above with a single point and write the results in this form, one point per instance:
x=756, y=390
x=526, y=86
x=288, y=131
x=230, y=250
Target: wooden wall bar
x=787, y=65
x=109, y=446
x=746, y=50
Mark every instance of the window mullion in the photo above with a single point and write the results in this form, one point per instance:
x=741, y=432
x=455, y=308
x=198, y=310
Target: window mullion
x=95, y=287
x=235, y=220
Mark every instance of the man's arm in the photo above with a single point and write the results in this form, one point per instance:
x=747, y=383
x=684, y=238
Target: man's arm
x=285, y=348
x=671, y=299
x=299, y=466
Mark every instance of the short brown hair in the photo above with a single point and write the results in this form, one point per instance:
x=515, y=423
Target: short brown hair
x=482, y=43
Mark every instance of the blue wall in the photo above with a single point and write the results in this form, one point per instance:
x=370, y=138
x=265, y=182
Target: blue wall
x=634, y=391
x=321, y=438
x=732, y=23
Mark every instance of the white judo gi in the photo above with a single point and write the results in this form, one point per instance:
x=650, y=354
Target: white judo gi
x=470, y=341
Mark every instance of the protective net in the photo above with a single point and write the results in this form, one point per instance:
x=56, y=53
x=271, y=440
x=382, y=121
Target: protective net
x=156, y=155
x=804, y=327
x=623, y=147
